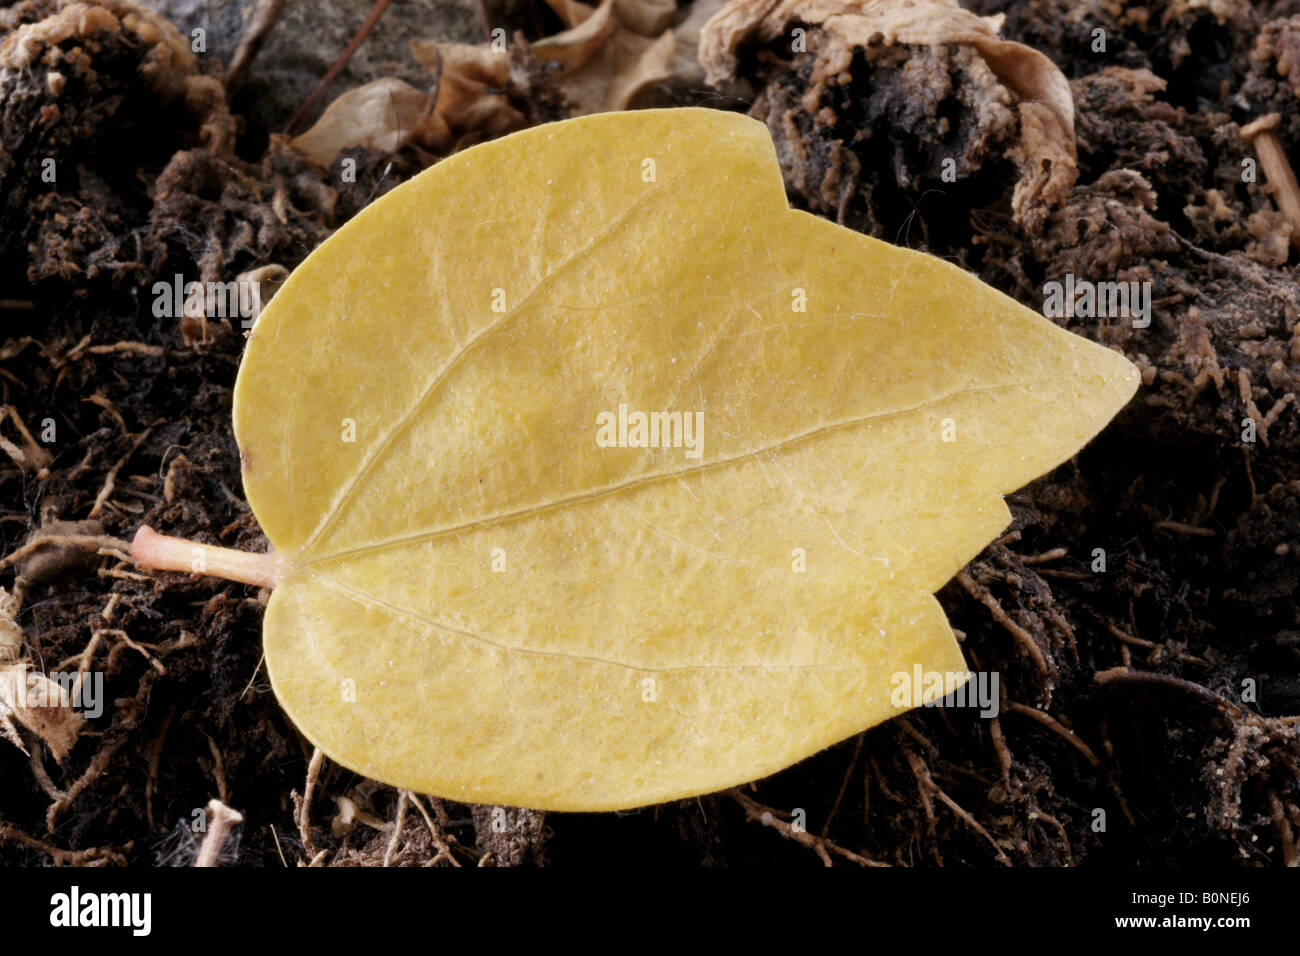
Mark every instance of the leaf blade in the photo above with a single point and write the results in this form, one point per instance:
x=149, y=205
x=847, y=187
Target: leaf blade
x=625, y=565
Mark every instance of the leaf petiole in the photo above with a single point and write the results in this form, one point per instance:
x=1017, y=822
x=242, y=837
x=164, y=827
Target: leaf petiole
x=149, y=549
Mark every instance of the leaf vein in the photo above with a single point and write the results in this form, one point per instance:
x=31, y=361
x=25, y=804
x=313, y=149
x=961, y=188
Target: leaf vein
x=346, y=491
x=362, y=597
x=635, y=483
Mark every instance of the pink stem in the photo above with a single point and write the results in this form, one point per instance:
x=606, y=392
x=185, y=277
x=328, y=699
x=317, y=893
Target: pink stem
x=149, y=549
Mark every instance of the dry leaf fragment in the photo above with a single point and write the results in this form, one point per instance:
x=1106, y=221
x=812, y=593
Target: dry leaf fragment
x=646, y=17
x=588, y=30
x=11, y=635
x=604, y=59
x=349, y=814
x=685, y=71
x=475, y=596
x=640, y=59
x=1046, y=154
x=26, y=453
x=472, y=92
x=41, y=705
x=383, y=114
x=267, y=281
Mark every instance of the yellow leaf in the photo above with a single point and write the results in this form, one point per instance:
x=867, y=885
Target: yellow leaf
x=477, y=598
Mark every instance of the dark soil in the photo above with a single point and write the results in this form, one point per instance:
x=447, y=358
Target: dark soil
x=1136, y=712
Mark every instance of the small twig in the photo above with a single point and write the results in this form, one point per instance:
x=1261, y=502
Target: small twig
x=125, y=639
x=264, y=19
x=755, y=811
x=124, y=575
x=956, y=808
x=42, y=777
x=403, y=799
x=283, y=861
x=1038, y=813
x=927, y=784
x=111, y=480
x=1026, y=640
x=309, y=790
x=844, y=785
x=1045, y=556
x=155, y=758
x=222, y=821
x=74, y=353
x=108, y=406
x=15, y=346
x=1001, y=749
x=1277, y=169
x=98, y=764
x=96, y=856
x=1181, y=527
x=219, y=769
x=1122, y=675
x=1047, y=720
x=88, y=541
x=31, y=454
x=1152, y=645
x=444, y=849
x=1276, y=810
x=256, y=671
x=140, y=347
x=357, y=39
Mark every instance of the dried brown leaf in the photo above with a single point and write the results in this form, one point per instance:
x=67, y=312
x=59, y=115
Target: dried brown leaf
x=604, y=59
x=472, y=99
x=11, y=635
x=646, y=17
x=383, y=114
x=41, y=705
x=606, y=56
x=1046, y=152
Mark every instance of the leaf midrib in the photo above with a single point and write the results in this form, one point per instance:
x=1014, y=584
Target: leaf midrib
x=643, y=480
x=361, y=597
